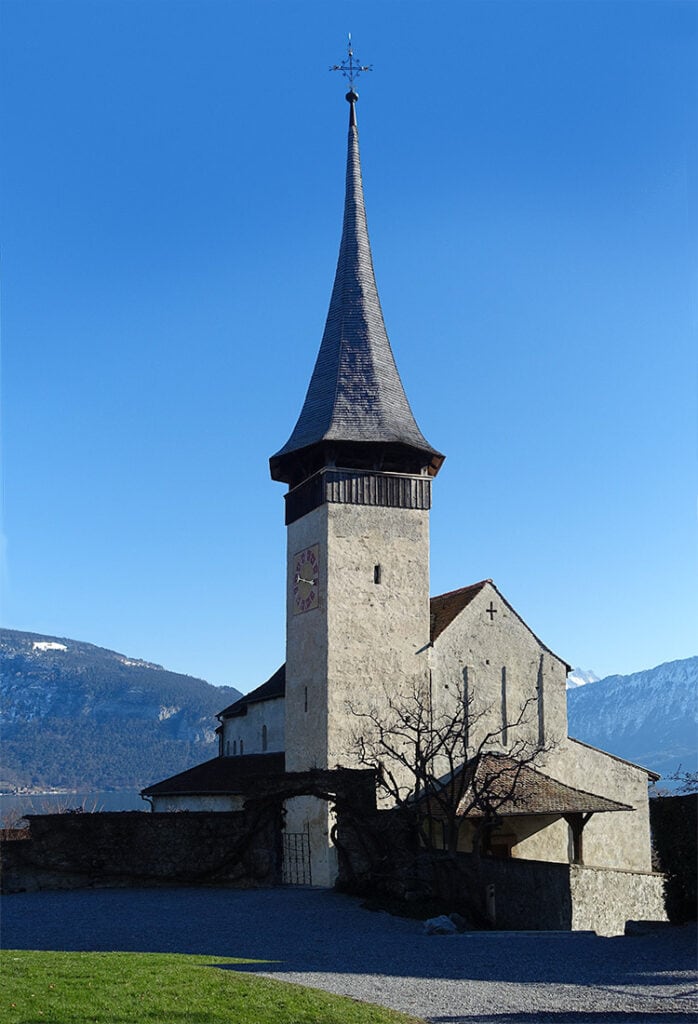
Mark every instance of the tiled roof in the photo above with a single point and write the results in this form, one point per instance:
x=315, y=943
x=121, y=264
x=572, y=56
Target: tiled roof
x=445, y=607
x=529, y=791
x=275, y=686
x=355, y=393
x=219, y=775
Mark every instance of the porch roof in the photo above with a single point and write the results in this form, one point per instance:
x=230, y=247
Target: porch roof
x=525, y=790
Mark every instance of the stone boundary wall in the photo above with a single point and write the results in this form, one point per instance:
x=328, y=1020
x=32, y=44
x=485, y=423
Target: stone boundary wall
x=528, y=894
x=603, y=900
x=538, y=895
x=72, y=851
x=381, y=858
x=243, y=849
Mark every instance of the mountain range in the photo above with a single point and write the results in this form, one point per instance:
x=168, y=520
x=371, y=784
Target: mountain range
x=77, y=716
x=648, y=717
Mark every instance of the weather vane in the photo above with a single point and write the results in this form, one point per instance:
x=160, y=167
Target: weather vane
x=350, y=67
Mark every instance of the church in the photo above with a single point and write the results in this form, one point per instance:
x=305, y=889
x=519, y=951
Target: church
x=362, y=630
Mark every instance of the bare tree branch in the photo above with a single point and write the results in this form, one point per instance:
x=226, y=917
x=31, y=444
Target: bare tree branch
x=445, y=766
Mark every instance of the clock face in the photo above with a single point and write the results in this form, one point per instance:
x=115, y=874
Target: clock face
x=305, y=579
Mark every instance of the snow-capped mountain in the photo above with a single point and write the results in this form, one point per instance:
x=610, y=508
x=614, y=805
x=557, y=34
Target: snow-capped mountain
x=79, y=716
x=649, y=717
x=580, y=677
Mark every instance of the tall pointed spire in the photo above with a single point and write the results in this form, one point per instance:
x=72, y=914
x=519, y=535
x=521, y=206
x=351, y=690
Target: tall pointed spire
x=355, y=413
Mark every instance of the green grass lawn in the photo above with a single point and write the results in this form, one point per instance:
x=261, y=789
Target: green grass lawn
x=135, y=988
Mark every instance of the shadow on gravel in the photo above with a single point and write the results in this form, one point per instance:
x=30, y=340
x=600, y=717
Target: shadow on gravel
x=614, y=975
x=571, y=1017
x=319, y=931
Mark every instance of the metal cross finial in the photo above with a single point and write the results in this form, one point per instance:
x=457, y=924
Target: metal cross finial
x=350, y=67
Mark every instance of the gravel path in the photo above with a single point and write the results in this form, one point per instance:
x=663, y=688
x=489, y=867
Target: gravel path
x=326, y=940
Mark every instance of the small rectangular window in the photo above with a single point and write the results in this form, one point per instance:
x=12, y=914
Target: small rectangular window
x=306, y=699
x=376, y=573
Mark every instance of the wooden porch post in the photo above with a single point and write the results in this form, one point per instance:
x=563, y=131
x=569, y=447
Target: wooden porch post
x=576, y=823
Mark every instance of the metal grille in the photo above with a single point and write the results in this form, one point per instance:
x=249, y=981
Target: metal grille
x=296, y=866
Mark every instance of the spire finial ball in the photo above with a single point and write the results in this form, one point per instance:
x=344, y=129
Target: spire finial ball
x=351, y=96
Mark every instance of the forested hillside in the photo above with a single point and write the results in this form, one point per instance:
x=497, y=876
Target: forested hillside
x=78, y=716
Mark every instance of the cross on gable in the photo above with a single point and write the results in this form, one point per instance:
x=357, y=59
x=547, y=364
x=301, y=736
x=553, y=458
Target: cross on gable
x=491, y=611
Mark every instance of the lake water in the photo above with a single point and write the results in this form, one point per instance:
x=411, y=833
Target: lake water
x=15, y=805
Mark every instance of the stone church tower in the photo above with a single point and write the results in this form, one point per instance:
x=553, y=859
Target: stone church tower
x=362, y=631
x=359, y=473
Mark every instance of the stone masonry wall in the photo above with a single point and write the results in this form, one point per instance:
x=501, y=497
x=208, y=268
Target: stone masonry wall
x=539, y=895
x=369, y=628
x=382, y=858
x=604, y=900
x=529, y=894
x=67, y=851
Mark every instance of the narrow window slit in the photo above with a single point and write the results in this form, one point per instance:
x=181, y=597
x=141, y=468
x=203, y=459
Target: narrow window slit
x=505, y=722
x=376, y=573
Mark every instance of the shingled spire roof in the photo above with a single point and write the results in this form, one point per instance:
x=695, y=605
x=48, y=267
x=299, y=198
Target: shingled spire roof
x=355, y=412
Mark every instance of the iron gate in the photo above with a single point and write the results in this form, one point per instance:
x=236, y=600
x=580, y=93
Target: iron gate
x=296, y=865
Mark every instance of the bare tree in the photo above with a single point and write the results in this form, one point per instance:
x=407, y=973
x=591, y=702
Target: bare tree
x=687, y=783
x=447, y=764
x=687, y=780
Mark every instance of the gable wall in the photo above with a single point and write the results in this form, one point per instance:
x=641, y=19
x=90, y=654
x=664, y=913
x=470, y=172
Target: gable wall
x=248, y=728
x=488, y=654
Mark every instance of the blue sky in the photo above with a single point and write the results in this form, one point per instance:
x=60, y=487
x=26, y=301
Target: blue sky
x=171, y=210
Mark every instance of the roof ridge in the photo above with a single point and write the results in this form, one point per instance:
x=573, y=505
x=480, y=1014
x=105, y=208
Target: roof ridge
x=271, y=688
x=461, y=590
x=616, y=757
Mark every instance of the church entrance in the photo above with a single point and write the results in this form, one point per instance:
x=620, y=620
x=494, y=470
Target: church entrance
x=296, y=862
